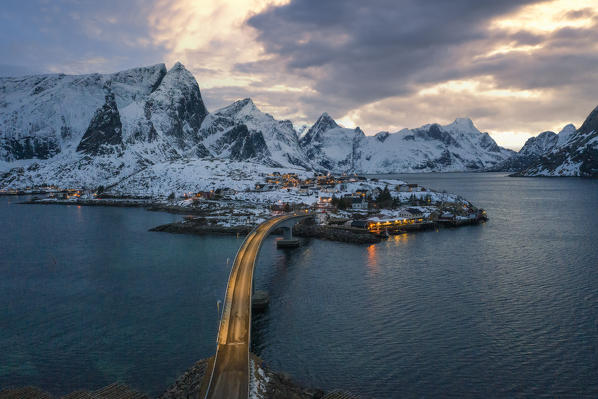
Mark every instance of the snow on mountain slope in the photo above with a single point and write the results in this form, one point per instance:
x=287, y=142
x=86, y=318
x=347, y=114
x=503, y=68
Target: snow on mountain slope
x=145, y=116
x=241, y=131
x=565, y=134
x=330, y=146
x=42, y=115
x=193, y=175
x=534, y=148
x=540, y=144
x=91, y=130
x=455, y=147
x=576, y=153
x=176, y=108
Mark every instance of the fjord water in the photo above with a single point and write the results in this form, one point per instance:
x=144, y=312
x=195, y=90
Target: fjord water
x=508, y=308
x=88, y=297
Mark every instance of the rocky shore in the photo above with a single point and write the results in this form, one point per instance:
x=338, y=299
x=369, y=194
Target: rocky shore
x=200, y=227
x=264, y=383
x=334, y=234
x=148, y=204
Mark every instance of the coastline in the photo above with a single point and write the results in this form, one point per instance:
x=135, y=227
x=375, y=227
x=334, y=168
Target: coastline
x=197, y=222
x=264, y=382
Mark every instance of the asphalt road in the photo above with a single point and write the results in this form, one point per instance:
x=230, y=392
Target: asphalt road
x=230, y=376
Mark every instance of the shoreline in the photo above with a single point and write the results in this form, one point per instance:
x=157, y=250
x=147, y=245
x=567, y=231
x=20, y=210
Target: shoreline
x=264, y=382
x=200, y=226
x=121, y=203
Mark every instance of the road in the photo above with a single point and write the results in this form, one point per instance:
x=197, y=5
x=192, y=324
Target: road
x=230, y=375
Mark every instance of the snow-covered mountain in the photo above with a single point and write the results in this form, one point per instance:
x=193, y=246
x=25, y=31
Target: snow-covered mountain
x=43, y=115
x=458, y=146
x=571, y=153
x=241, y=132
x=98, y=129
x=331, y=147
x=534, y=148
x=108, y=129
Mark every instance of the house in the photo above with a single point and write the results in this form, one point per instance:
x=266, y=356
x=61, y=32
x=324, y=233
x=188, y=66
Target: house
x=408, y=188
x=362, y=191
x=359, y=203
x=304, y=190
x=227, y=191
x=360, y=224
x=205, y=194
x=446, y=217
x=415, y=212
x=324, y=204
x=341, y=187
x=410, y=213
x=280, y=207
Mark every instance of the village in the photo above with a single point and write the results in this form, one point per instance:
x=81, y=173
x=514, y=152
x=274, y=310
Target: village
x=350, y=204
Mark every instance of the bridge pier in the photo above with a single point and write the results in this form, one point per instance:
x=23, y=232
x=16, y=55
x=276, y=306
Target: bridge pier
x=288, y=241
x=259, y=301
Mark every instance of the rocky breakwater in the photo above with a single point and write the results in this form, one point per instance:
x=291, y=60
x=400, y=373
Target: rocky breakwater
x=200, y=226
x=264, y=383
x=334, y=234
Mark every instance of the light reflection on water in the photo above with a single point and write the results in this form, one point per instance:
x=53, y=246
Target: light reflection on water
x=508, y=308
x=503, y=309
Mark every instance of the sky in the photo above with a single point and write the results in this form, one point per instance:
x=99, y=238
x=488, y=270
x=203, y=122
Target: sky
x=516, y=68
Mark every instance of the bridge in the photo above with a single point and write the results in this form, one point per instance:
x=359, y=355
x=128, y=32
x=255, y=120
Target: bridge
x=230, y=373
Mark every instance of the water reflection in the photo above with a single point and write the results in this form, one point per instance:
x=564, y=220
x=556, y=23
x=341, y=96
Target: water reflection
x=372, y=259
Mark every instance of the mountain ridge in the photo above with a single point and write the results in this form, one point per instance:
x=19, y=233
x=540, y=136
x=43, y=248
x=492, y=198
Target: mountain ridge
x=97, y=128
x=575, y=153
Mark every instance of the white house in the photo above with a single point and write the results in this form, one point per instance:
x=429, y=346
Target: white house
x=359, y=204
x=410, y=213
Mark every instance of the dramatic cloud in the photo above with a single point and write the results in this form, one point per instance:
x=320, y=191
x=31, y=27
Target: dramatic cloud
x=515, y=67
x=76, y=36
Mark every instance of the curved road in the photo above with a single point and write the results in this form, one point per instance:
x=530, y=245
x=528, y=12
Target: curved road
x=230, y=375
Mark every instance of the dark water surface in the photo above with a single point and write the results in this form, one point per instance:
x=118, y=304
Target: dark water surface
x=505, y=309
x=88, y=296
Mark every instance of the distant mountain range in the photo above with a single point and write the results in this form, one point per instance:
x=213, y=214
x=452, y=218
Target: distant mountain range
x=101, y=128
x=571, y=152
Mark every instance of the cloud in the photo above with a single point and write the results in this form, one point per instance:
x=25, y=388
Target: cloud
x=519, y=59
x=208, y=36
x=516, y=67
x=77, y=36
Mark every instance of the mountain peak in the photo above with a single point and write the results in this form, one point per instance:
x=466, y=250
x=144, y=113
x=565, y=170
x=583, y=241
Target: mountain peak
x=463, y=124
x=177, y=66
x=179, y=69
x=591, y=123
x=325, y=122
x=248, y=104
x=382, y=136
x=244, y=106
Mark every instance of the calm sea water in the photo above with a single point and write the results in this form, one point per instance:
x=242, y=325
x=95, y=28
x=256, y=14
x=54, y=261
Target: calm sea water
x=504, y=309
